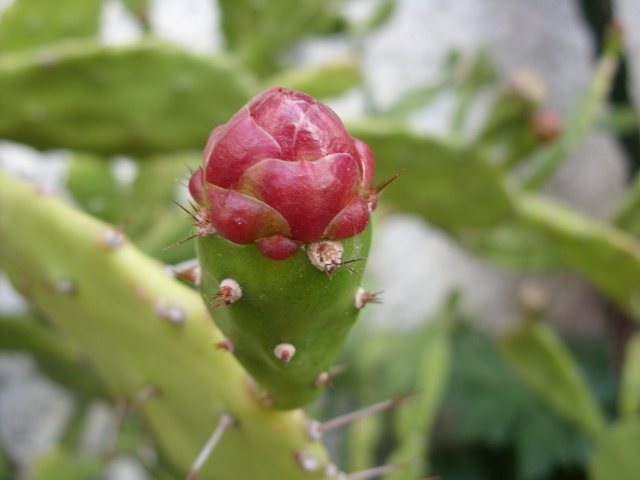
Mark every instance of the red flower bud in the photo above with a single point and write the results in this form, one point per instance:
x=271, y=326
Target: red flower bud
x=284, y=172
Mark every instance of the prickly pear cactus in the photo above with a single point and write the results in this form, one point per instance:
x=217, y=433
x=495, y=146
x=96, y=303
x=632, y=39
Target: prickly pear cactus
x=284, y=199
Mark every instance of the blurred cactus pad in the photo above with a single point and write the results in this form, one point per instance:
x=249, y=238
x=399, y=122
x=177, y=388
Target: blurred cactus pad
x=236, y=355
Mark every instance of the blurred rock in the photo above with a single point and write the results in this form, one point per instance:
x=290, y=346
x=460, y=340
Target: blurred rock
x=545, y=36
x=33, y=411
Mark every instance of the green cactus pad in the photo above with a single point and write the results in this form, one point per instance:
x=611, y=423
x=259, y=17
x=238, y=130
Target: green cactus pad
x=608, y=257
x=442, y=181
x=283, y=302
x=33, y=23
x=136, y=100
x=141, y=328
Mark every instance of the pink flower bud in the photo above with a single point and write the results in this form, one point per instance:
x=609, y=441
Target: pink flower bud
x=284, y=172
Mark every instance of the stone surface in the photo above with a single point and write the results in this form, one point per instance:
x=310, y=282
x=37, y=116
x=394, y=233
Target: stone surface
x=33, y=411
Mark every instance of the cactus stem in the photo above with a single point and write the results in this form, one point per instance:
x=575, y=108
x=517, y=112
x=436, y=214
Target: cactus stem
x=174, y=314
x=226, y=345
x=284, y=352
x=228, y=293
x=330, y=471
x=371, y=472
x=225, y=422
x=46, y=58
x=306, y=461
x=143, y=395
x=363, y=297
x=113, y=239
x=66, y=286
x=266, y=399
x=323, y=379
x=316, y=429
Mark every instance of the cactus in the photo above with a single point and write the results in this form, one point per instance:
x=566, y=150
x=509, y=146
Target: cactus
x=139, y=327
x=78, y=95
x=605, y=255
x=283, y=204
x=32, y=23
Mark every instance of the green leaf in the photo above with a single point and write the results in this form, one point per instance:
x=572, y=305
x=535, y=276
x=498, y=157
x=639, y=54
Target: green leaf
x=627, y=215
x=582, y=118
x=416, y=417
x=509, y=132
x=493, y=410
x=629, y=399
x=450, y=186
x=140, y=8
x=620, y=120
x=379, y=15
x=616, y=454
x=136, y=100
x=418, y=98
x=33, y=23
x=421, y=96
x=537, y=355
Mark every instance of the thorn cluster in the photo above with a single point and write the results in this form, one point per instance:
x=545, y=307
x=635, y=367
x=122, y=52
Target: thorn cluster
x=326, y=256
x=363, y=298
x=284, y=352
x=228, y=293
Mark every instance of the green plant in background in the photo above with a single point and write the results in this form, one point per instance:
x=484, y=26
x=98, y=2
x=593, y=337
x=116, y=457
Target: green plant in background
x=107, y=319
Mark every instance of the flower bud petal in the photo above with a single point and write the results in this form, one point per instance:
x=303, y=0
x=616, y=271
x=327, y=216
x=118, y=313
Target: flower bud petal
x=307, y=194
x=214, y=136
x=240, y=146
x=320, y=133
x=284, y=172
x=196, y=186
x=350, y=221
x=278, y=114
x=277, y=247
x=367, y=164
x=242, y=219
